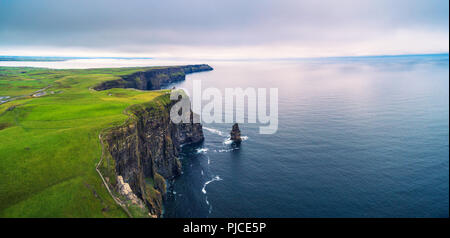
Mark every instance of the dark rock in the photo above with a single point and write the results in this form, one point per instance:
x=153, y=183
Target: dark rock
x=235, y=134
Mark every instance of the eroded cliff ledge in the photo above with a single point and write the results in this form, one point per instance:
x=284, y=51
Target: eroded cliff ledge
x=144, y=151
x=153, y=78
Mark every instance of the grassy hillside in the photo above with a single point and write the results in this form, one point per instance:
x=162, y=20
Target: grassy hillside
x=49, y=144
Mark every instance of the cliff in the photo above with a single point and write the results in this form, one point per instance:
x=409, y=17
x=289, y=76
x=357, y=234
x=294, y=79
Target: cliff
x=153, y=78
x=144, y=152
x=141, y=154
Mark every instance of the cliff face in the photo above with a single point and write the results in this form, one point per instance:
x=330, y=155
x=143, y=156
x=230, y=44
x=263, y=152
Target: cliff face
x=153, y=78
x=144, y=151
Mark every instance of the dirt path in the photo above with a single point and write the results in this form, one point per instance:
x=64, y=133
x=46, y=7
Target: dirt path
x=106, y=184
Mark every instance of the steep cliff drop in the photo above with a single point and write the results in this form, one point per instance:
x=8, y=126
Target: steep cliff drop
x=235, y=134
x=142, y=153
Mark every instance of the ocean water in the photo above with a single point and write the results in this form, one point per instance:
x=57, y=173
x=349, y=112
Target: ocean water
x=357, y=137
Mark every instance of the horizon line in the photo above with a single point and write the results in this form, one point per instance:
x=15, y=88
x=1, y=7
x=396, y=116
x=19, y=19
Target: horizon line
x=224, y=59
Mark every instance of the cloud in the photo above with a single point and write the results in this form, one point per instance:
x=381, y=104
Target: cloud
x=231, y=28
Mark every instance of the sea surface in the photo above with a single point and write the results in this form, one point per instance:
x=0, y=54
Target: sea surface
x=357, y=137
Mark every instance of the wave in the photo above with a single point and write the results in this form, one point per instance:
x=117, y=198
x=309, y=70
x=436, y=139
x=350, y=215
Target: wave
x=226, y=150
x=214, y=131
x=202, y=150
x=228, y=141
x=217, y=178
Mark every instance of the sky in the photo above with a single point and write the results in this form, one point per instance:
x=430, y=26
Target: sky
x=223, y=29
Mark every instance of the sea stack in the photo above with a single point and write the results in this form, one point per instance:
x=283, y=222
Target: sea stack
x=235, y=134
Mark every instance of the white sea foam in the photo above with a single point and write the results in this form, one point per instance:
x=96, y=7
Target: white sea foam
x=202, y=150
x=215, y=131
x=217, y=178
x=226, y=150
x=228, y=141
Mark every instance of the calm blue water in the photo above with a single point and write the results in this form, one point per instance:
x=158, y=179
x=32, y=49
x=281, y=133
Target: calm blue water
x=357, y=137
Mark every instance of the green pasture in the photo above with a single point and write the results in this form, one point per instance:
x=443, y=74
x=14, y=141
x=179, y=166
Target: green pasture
x=49, y=145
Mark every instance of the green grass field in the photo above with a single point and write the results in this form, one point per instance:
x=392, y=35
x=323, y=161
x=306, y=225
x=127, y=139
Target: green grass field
x=49, y=145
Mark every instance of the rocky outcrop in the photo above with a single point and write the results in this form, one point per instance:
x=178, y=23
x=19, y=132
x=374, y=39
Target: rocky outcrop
x=153, y=78
x=235, y=134
x=144, y=151
x=124, y=189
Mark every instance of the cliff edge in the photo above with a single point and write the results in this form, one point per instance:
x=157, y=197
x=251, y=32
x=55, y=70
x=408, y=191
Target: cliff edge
x=144, y=152
x=153, y=78
x=141, y=154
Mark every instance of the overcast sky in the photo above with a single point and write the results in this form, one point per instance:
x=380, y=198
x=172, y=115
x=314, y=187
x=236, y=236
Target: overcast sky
x=223, y=28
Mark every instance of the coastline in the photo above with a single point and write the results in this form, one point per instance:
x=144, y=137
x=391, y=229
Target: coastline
x=68, y=131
